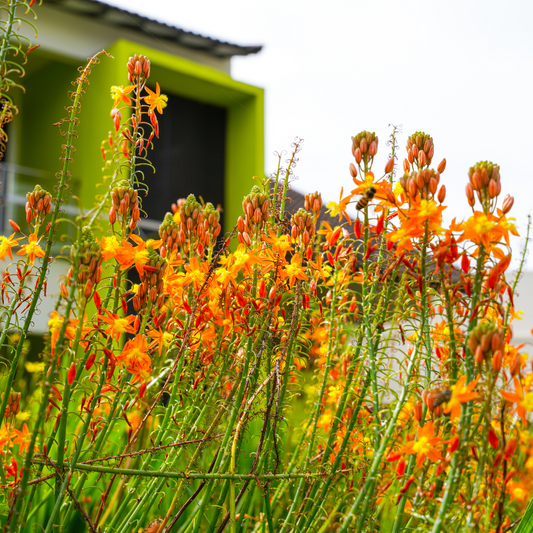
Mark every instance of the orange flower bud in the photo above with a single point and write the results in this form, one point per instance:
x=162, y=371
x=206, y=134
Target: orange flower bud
x=442, y=166
x=88, y=288
x=507, y=204
x=410, y=156
x=14, y=225
x=358, y=156
x=510, y=448
x=497, y=359
x=420, y=181
x=479, y=355
x=418, y=411
x=476, y=181
x=353, y=170
x=389, y=166
x=363, y=145
x=484, y=177
x=412, y=188
x=493, y=189
x=373, y=149
x=433, y=184
x=406, y=166
x=516, y=366
x=485, y=341
x=422, y=158
x=390, y=196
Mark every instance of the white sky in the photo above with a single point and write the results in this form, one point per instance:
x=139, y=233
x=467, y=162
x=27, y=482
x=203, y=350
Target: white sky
x=460, y=70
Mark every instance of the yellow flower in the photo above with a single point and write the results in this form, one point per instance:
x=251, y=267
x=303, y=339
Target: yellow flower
x=34, y=368
x=119, y=93
x=6, y=243
x=32, y=249
x=156, y=100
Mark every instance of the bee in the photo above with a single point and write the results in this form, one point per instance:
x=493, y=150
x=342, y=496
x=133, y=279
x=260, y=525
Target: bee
x=442, y=397
x=366, y=198
x=152, y=527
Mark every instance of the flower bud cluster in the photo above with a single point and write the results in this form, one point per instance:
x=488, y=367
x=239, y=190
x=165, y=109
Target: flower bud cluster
x=204, y=224
x=38, y=205
x=13, y=404
x=151, y=286
x=484, y=179
x=196, y=227
x=169, y=233
x=313, y=202
x=256, y=212
x=138, y=67
x=303, y=227
x=487, y=342
x=424, y=184
x=125, y=205
x=364, y=148
x=89, y=263
x=420, y=149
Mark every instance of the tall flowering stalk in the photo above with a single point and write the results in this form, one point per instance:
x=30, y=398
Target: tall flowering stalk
x=291, y=375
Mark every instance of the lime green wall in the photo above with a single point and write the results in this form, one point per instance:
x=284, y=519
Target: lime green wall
x=39, y=142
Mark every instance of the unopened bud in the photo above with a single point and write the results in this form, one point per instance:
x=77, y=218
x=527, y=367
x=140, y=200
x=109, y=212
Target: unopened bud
x=406, y=166
x=507, y=204
x=442, y=166
x=353, y=170
x=363, y=145
x=358, y=156
x=412, y=188
x=14, y=225
x=390, y=196
x=422, y=158
x=442, y=193
x=373, y=149
x=389, y=166
x=433, y=185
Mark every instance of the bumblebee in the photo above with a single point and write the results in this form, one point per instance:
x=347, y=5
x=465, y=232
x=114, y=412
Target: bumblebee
x=442, y=397
x=366, y=198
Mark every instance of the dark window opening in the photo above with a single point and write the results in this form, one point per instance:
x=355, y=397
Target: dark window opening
x=189, y=158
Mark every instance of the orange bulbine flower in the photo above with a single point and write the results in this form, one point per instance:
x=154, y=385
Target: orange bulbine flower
x=156, y=100
x=6, y=243
x=460, y=394
x=162, y=339
x=117, y=325
x=128, y=255
x=524, y=402
x=23, y=438
x=135, y=358
x=5, y=438
x=294, y=270
x=32, y=249
x=280, y=245
x=118, y=93
x=335, y=208
x=425, y=445
x=488, y=230
x=110, y=246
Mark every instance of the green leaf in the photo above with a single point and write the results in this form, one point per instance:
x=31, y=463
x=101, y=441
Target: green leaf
x=526, y=524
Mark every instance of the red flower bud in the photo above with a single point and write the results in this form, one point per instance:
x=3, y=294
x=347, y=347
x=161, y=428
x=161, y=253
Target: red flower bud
x=71, y=374
x=493, y=438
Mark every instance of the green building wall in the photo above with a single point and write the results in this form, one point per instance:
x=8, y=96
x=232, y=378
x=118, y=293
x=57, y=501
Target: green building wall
x=36, y=143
